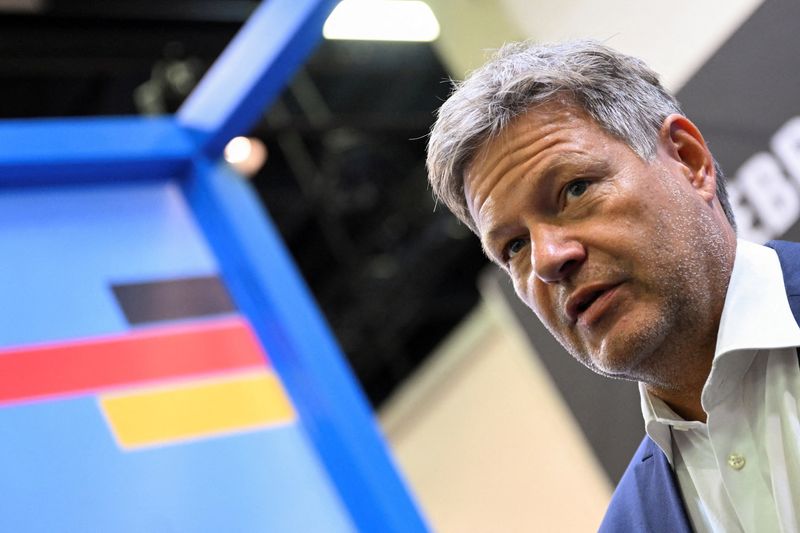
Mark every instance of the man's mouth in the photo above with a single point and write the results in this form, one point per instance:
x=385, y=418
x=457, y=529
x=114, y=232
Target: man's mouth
x=582, y=299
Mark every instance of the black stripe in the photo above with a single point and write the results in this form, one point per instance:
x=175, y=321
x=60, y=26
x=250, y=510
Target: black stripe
x=173, y=299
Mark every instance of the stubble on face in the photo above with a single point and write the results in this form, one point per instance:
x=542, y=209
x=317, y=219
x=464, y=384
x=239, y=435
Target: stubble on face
x=690, y=262
x=641, y=226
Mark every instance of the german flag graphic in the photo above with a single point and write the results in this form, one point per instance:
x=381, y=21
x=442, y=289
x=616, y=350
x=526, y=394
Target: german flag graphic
x=160, y=385
x=134, y=395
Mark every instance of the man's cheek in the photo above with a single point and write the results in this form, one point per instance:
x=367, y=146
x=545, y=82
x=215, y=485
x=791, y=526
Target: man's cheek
x=538, y=299
x=545, y=313
x=529, y=298
x=521, y=290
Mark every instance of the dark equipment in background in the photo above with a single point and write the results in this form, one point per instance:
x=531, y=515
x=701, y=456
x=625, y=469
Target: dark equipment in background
x=345, y=177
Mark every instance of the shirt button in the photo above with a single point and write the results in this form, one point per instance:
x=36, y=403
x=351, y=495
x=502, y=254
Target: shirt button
x=736, y=461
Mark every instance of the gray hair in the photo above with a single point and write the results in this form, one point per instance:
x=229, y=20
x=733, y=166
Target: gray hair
x=620, y=92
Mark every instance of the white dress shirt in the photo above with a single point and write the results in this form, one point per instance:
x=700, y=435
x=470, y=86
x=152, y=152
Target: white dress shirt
x=740, y=470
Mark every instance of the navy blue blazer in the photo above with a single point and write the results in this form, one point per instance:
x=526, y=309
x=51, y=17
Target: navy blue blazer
x=647, y=497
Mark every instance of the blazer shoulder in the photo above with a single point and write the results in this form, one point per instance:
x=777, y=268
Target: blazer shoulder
x=625, y=511
x=646, y=498
x=789, y=257
x=788, y=253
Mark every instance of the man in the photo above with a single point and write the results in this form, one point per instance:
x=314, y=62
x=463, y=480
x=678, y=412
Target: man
x=603, y=203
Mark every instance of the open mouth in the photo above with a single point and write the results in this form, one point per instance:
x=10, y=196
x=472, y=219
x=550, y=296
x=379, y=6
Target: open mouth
x=583, y=299
x=589, y=300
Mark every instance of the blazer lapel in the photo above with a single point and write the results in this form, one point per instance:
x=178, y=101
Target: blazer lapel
x=662, y=507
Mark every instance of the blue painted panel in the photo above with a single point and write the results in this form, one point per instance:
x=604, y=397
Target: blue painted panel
x=62, y=471
x=44, y=151
x=252, y=70
x=64, y=246
x=267, y=288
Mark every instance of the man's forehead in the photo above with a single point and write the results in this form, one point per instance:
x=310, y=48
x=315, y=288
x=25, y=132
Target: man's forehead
x=503, y=149
x=504, y=142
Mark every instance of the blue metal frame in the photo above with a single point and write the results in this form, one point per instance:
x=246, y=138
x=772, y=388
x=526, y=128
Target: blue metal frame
x=50, y=151
x=267, y=288
x=252, y=70
x=255, y=263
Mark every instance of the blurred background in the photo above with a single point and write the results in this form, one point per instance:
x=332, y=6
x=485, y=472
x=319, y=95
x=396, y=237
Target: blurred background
x=495, y=427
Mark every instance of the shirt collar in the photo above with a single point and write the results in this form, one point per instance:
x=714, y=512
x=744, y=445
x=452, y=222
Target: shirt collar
x=756, y=315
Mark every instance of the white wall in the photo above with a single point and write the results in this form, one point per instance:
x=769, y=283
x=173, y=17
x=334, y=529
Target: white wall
x=674, y=37
x=486, y=442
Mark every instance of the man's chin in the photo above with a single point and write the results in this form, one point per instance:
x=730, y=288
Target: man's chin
x=628, y=356
x=615, y=368
x=613, y=365
x=627, y=345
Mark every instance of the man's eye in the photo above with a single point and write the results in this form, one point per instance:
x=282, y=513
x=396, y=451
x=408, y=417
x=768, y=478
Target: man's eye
x=514, y=247
x=577, y=188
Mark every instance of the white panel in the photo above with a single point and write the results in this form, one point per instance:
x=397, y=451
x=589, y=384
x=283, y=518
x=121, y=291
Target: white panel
x=486, y=441
x=675, y=38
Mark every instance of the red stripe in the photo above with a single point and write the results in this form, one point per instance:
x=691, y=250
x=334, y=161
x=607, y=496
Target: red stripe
x=153, y=354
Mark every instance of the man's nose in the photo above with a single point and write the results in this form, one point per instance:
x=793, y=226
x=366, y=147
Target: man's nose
x=555, y=255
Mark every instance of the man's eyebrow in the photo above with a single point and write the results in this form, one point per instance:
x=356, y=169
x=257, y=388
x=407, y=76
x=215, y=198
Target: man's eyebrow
x=577, y=166
x=494, y=238
x=488, y=253
x=572, y=164
x=489, y=237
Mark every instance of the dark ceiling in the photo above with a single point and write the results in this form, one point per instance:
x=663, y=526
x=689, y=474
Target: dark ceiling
x=345, y=177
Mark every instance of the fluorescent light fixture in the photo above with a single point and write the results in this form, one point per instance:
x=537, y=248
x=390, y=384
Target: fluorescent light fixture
x=382, y=20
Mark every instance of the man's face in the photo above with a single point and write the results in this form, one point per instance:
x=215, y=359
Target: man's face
x=622, y=259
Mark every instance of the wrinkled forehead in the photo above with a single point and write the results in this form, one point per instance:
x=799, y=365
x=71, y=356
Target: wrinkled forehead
x=501, y=149
x=501, y=141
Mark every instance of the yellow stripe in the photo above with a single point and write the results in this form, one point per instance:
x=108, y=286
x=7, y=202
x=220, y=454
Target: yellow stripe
x=194, y=410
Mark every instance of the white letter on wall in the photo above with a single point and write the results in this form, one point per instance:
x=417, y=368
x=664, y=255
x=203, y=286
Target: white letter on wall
x=746, y=227
x=786, y=145
x=765, y=186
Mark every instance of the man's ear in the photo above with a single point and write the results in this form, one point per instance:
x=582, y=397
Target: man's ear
x=682, y=142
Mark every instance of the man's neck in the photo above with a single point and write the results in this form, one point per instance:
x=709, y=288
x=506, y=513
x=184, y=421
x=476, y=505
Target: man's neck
x=683, y=393
x=686, y=404
x=680, y=384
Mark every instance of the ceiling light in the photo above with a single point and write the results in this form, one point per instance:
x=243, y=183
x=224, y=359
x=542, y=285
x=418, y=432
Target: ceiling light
x=238, y=149
x=246, y=154
x=382, y=20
